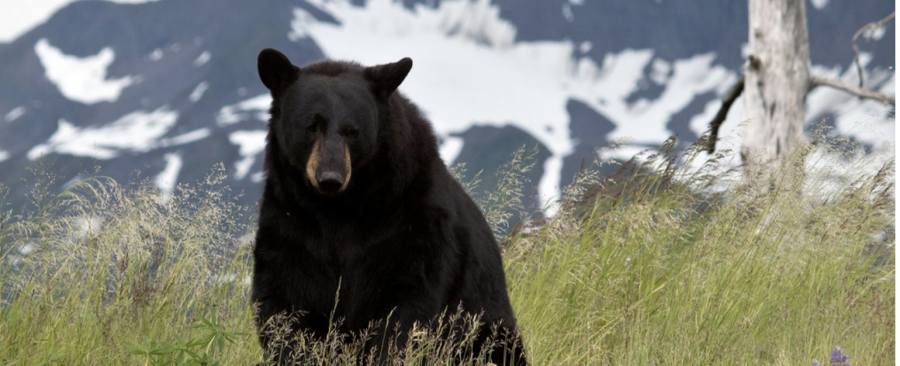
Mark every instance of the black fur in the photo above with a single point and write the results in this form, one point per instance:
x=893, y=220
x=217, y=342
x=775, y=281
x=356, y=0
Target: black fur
x=402, y=237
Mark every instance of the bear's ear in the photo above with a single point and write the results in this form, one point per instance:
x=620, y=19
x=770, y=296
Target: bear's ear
x=386, y=78
x=275, y=70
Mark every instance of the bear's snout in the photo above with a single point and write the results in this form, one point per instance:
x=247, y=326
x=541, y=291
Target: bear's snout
x=328, y=168
x=330, y=182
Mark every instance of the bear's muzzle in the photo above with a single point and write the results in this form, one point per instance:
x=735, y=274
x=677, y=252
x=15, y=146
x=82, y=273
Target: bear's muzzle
x=328, y=168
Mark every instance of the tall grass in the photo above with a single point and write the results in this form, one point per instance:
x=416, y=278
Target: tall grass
x=742, y=277
x=657, y=265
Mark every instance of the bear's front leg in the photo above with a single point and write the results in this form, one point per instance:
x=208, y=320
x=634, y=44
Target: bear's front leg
x=280, y=319
x=279, y=326
x=276, y=328
x=394, y=296
x=394, y=332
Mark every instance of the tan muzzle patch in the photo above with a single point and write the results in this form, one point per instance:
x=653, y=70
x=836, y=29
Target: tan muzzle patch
x=348, y=171
x=312, y=165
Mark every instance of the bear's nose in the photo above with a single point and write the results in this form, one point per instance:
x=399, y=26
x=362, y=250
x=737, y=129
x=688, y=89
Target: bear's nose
x=330, y=182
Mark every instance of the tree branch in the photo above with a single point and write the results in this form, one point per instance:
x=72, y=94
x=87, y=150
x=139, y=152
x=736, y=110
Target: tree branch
x=714, y=125
x=870, y=26
x=862, y=93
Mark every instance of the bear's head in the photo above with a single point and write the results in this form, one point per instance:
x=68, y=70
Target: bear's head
x=325, y=116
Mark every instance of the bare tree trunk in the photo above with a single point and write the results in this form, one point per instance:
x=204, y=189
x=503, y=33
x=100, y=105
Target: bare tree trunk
x=777, y=80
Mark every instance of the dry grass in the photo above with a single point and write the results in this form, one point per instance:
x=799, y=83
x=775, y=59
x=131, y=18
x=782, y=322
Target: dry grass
x=651, y=267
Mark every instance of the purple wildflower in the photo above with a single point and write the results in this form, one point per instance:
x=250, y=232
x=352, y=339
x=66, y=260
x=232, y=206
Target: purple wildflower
x=816, y=363
x=838, y=358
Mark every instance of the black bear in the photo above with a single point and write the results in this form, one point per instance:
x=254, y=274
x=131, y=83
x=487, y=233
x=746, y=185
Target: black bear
x=358, y=204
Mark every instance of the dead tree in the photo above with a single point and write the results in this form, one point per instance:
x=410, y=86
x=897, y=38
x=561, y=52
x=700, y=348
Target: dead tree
x=777, y=79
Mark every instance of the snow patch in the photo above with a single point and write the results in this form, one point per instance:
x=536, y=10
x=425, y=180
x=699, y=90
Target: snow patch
x=876, y=33
x=450, y=148
x=866, y=120
x=18, y=17
x=645, y=120
x=167, y=179
x=257, y=177
x=156, y=55
x=834, y=172
x=819, y=4
x=256, y=108
x=198, y=92
x=135, y=132
x=659, y=71
x=186, y=138
x=729, y=132
x=15, y=114
x=202, y=59
x=567, y=12
x=251, y=143
x=300, y=21
x=3, y=155
x=585, y=46
x=476, y=20
x=81, y=79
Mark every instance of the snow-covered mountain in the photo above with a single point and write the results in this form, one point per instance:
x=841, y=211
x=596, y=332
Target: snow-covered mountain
x=165, y=89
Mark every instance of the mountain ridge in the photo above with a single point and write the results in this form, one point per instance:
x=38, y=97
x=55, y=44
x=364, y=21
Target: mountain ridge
x=618, y=76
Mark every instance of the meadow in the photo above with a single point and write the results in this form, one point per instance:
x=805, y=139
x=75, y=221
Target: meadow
x=661, y=263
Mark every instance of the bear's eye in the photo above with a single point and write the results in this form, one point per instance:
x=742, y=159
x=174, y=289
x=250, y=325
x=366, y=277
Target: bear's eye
x=311, y=128
x=349, y=132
